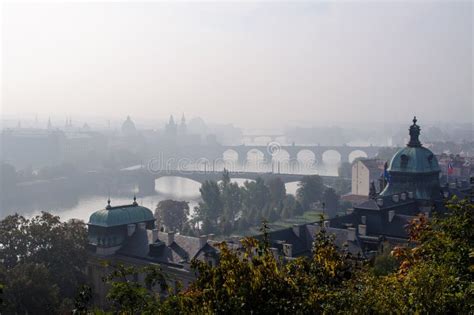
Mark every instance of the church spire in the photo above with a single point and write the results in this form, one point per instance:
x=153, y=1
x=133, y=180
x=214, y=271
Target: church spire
x=414, y=134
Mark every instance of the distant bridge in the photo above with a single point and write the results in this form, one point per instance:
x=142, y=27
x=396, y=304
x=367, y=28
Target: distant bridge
x=273, y=151
x=144, y=178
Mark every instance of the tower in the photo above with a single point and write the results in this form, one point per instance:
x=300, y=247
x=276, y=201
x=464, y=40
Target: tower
x=414, y=169
x=128, y=127
x=182, y=127
x=171, y=129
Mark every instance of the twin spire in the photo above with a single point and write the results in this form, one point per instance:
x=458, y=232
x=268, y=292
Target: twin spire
x=108, y=207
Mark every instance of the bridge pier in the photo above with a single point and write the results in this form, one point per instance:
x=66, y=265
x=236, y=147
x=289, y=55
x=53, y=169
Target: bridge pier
x=242, y=159
x=267, y=157
x=318, y=158
x=344, y=157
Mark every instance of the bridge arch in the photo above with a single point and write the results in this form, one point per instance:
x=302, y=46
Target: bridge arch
x=230, y=155
x=182, y=185
x=255, y=155
x=331, y=157
x=280, y=161
x=306, y=156
x=282, y=155
x=356, y=154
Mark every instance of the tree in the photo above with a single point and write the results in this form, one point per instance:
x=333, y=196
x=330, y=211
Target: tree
x=172, y=214
x=225, y=178
x=255, y=281
x=232, y=201
x=288, y=209
x=211, y=206
x=55, y=250
x=342, y=186
x=255, y=196
x=434, y=275
x=331, y=201
x=130, y=296
x=277, y=191
x=385, y=263
x=30, y=288
x=345, y=170
x=310, y=190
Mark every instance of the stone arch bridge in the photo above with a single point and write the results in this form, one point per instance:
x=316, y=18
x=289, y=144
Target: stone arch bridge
x=145, y=179
x=213, y=153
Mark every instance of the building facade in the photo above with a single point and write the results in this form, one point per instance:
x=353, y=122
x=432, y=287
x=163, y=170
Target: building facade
x=412, y=187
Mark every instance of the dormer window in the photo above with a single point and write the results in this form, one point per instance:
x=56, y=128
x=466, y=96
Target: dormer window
x=404, y=160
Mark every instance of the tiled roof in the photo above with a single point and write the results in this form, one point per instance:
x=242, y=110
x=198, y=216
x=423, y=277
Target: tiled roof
x=287, y=235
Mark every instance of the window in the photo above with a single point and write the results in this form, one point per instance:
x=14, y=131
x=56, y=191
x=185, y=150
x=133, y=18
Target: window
x=404, y=160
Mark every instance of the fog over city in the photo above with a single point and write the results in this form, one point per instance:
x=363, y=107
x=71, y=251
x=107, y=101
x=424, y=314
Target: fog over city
x=252, y=64
x=236, y=157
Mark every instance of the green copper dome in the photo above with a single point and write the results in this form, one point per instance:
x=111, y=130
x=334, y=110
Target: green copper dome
x=414, y=158
x=413, y=169
x=120, y=215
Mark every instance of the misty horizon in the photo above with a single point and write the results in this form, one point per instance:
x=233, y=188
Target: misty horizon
x=253, y=65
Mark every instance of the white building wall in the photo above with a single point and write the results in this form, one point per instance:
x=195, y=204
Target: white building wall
x=360, y=179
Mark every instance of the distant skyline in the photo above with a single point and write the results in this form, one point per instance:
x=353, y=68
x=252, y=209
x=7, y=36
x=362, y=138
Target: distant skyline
x=252, y=64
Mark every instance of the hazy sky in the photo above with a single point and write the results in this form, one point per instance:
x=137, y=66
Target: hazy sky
x=241, y=62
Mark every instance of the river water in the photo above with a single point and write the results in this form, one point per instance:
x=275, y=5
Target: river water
x=175, y=188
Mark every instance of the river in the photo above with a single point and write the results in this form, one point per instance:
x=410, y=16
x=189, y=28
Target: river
x=176, y=188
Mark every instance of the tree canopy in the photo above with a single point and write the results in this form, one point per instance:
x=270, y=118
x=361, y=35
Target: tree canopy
x=41, y=257
x=172, y=214
x=433, y=274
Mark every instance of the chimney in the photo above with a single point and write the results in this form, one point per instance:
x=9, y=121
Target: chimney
x=130, y=229
x=154, y=234
x=351, y=234
x=170, y=238
x=202, y=241
x=288, y=249
x=362, y=229
x=391, y=214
